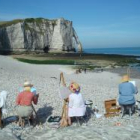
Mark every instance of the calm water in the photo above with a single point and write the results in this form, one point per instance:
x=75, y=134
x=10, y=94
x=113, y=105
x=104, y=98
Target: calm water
x=123, y=51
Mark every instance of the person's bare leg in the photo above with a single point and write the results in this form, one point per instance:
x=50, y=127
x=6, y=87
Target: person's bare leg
x=20, y=121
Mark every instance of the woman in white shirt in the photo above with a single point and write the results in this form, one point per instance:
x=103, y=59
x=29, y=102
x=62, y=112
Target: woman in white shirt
x=76, y=106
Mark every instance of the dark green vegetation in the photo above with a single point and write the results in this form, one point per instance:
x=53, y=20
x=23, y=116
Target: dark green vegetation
x=85, y=61
x=62, y=62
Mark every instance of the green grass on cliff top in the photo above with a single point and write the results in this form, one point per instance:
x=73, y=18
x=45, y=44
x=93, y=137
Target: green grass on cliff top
x=8, y=23
x=27, y=20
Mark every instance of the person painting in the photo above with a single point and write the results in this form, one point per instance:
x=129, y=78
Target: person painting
x=74, y=105
x=126, y=92
x=24, y=101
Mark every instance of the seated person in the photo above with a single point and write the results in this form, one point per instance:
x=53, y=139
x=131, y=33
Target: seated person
x=3, y=97
x=76, y=105
x=24, y=100
x=33, y=89
x=126, y=92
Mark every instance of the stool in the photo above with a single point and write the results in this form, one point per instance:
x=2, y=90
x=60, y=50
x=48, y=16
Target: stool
x=23, y=120
x=127, y=108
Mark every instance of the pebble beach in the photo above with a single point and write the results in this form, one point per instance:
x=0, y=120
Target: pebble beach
x=97, y=86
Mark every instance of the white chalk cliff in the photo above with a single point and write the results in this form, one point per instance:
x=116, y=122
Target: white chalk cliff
x=38, y=34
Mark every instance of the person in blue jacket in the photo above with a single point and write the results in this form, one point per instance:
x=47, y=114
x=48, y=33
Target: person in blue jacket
x=126, y=92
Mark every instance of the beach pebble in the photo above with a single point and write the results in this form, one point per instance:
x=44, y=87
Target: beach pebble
x=97, y=87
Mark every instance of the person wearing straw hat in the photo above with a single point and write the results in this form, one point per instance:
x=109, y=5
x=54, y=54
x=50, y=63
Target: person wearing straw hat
x=24, y=101
x=76, y=106
x=126, y=92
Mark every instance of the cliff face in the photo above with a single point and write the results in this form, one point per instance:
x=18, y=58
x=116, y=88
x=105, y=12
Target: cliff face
x=38, y=35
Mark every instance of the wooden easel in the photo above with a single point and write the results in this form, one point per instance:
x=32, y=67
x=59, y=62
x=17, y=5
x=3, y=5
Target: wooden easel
x=64, y=116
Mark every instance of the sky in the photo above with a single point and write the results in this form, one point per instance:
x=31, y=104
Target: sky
x=98, y=23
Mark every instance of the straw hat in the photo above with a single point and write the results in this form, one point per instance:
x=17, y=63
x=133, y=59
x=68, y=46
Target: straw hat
x=74, y=87
x=125, y=78
x=27, y=84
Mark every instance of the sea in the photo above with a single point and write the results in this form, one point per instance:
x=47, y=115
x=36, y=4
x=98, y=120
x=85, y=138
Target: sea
x=133, y=51
x=128, y=51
